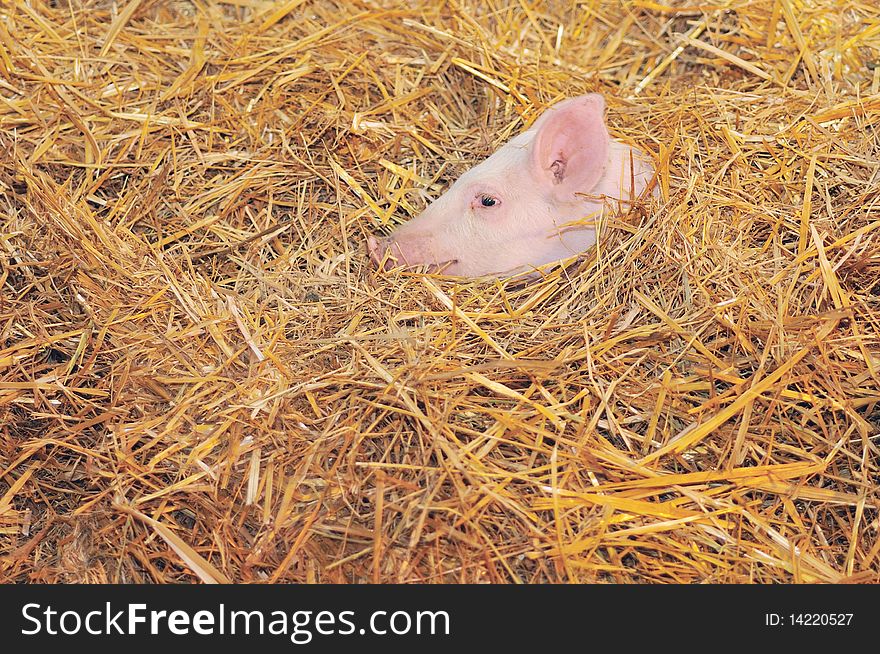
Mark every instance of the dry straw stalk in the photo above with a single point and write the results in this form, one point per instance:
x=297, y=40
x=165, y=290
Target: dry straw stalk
x=203, y=379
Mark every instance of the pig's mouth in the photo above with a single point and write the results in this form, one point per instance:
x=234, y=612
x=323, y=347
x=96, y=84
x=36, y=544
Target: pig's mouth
x=445, y=268
x=387, y=255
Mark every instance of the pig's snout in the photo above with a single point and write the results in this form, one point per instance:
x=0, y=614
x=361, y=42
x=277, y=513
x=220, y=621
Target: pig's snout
x=377, y=247
x=408, y=251
x=385, y=252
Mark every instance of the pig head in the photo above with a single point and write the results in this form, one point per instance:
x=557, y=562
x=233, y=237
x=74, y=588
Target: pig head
x=533, y=202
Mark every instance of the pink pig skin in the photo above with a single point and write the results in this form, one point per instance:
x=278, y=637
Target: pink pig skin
x=531, y=203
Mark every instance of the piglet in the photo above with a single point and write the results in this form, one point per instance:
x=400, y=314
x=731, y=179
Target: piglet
x=533, y=202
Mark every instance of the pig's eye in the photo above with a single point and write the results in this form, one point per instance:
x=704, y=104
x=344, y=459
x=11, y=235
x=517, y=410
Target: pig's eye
x=484, y=199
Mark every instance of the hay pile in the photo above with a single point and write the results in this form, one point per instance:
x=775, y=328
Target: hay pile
x=202, y=377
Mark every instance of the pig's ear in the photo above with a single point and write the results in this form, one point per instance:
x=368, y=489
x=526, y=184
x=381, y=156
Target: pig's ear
x=571, y=146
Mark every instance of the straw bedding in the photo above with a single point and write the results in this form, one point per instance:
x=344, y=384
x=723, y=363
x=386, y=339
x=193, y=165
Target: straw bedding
x=203, y=378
